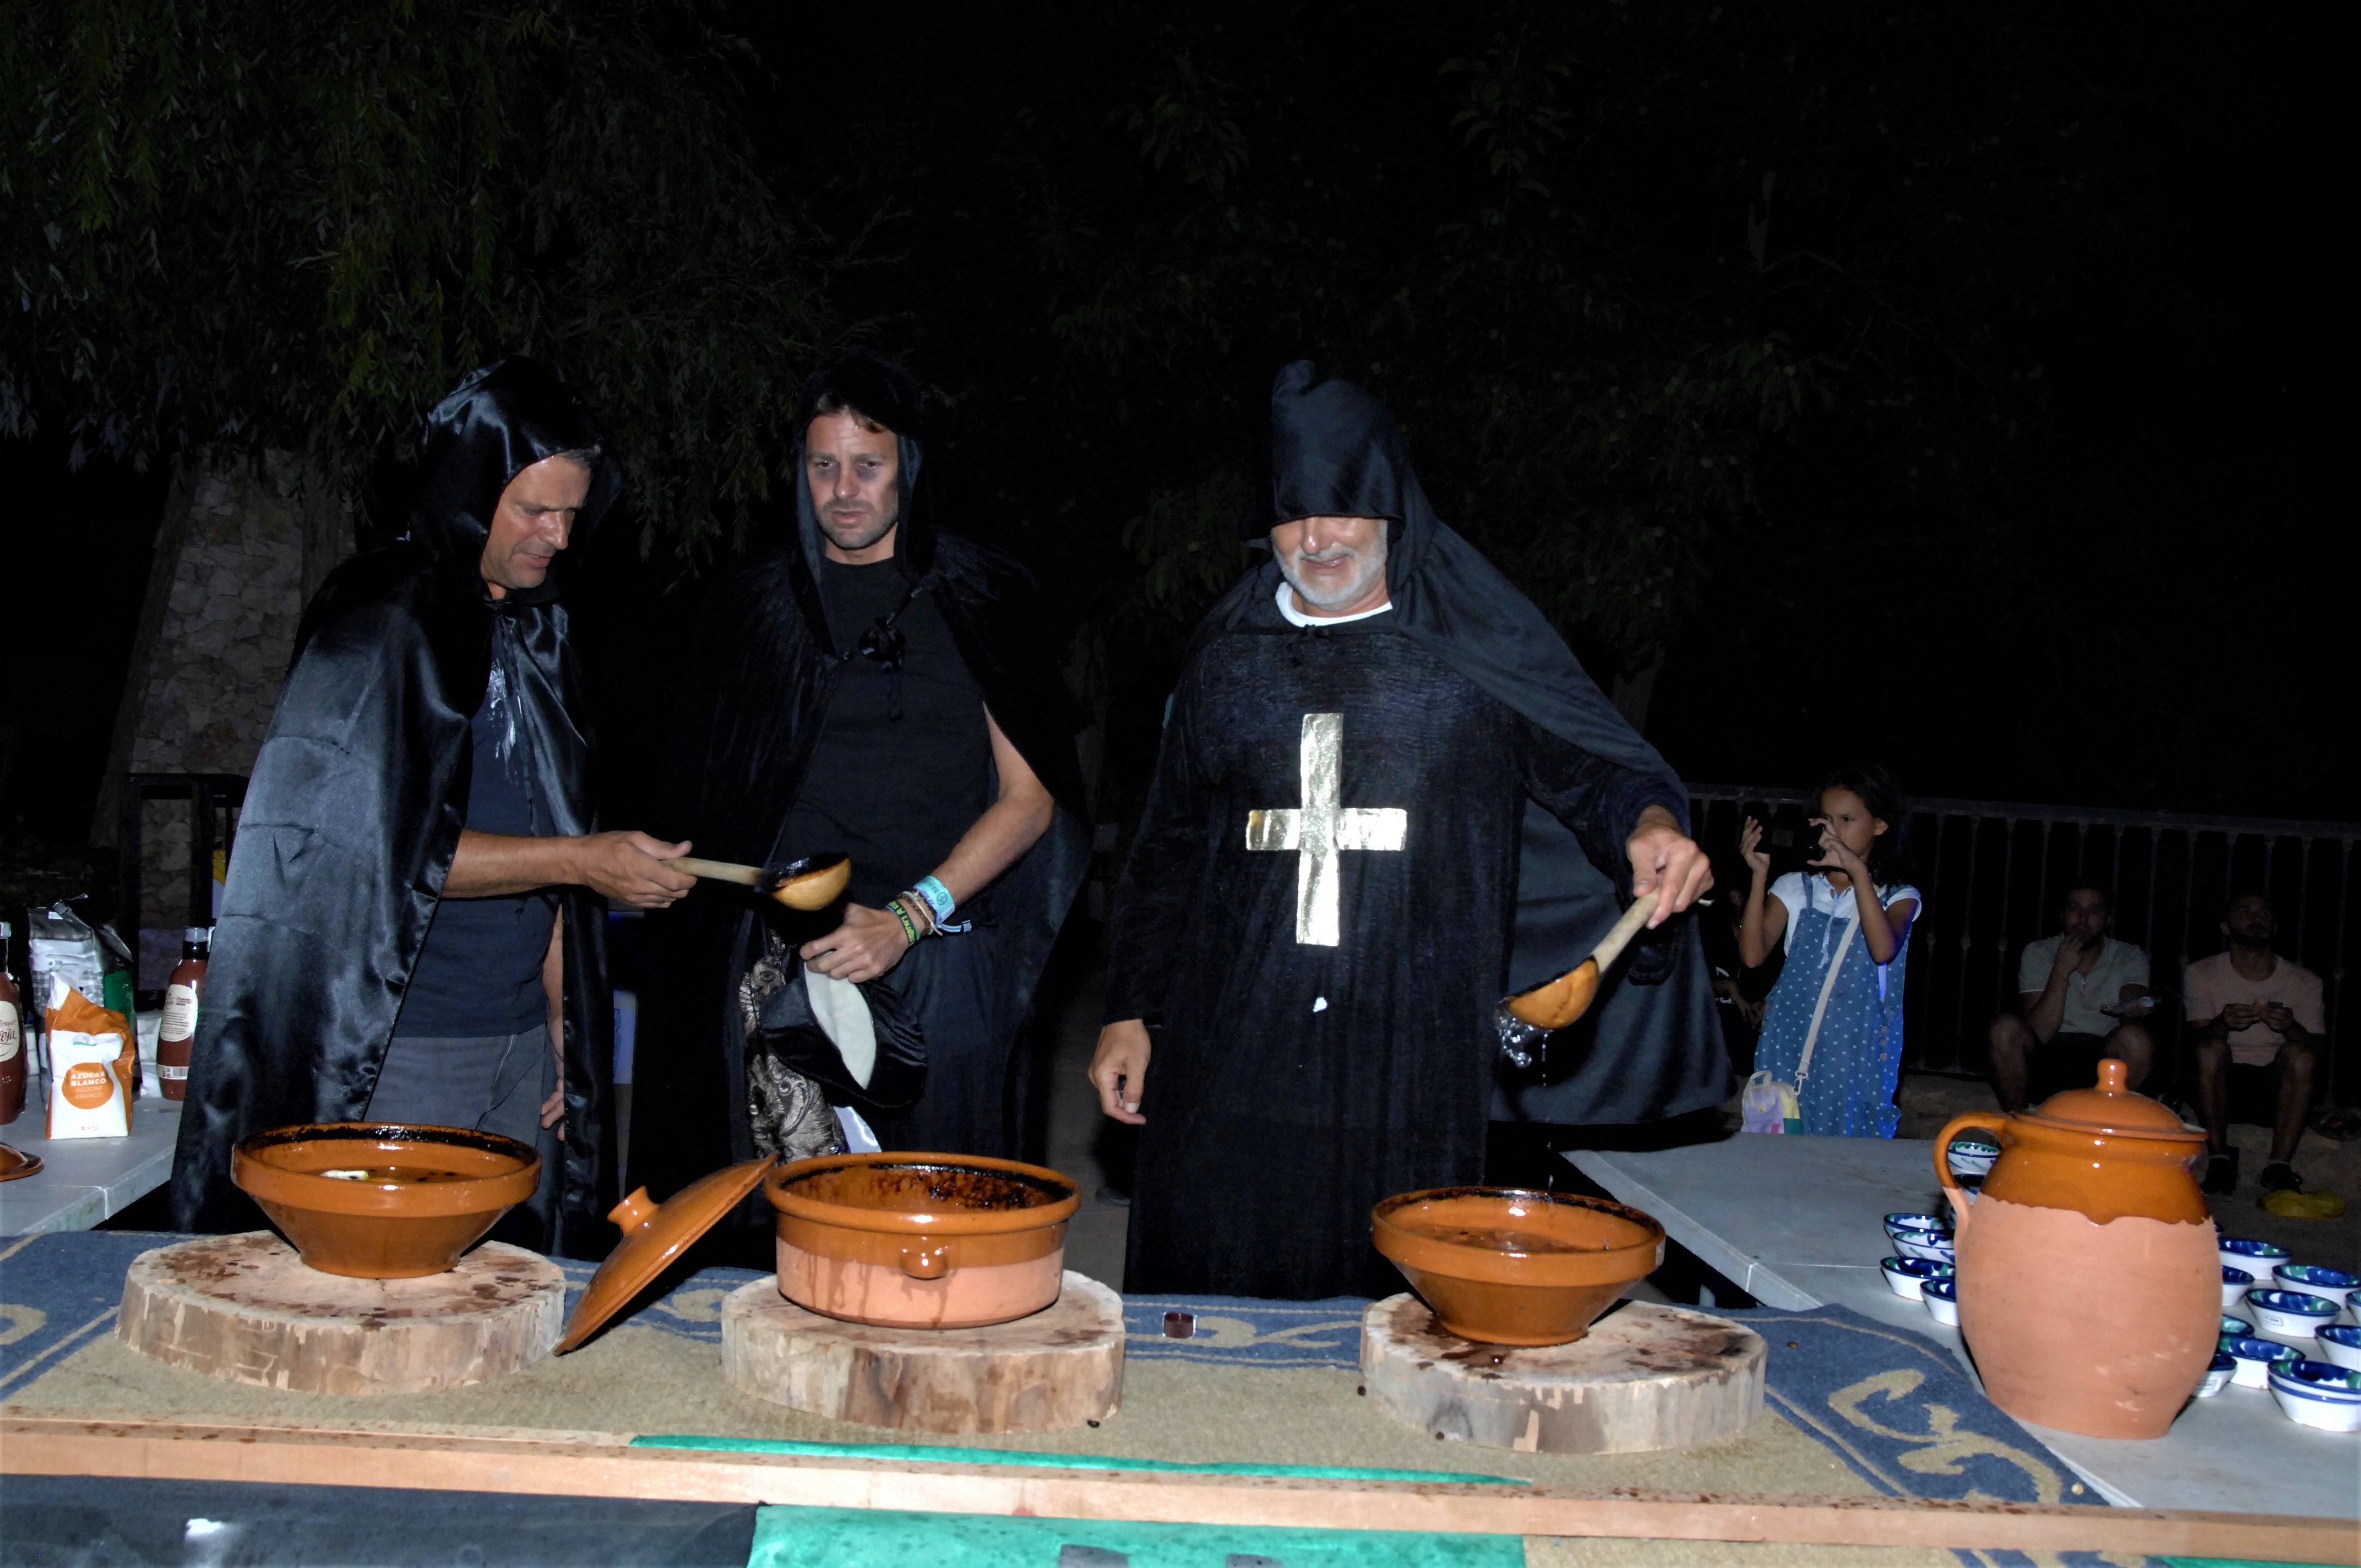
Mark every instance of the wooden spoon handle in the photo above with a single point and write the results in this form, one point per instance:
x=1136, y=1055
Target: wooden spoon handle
x=719, y=870
x=1611, y=947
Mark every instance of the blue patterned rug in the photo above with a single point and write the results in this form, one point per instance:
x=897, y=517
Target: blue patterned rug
x=1892, y=1406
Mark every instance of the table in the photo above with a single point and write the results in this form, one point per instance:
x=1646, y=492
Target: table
x=1798, y=1222
x=86, y=1180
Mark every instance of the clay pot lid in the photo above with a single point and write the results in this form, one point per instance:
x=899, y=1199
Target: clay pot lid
x=2110, y=1108
x=653, y=1235
x=16, y=1163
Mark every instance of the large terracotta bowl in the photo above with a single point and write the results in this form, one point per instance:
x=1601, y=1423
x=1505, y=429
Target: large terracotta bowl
x=429, y=1195
x=1505, y=1265
x=931, y=1241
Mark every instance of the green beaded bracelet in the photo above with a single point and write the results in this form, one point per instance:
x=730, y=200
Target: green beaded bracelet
x=909, y=927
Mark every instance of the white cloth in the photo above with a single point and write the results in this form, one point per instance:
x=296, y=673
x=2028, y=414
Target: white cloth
x=843, y=1014
x=1296, y=618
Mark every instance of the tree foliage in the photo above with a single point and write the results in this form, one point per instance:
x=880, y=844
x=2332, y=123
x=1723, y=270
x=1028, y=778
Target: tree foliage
x=299, y=225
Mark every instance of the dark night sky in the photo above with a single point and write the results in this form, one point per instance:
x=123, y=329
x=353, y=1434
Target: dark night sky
x=2127, y=607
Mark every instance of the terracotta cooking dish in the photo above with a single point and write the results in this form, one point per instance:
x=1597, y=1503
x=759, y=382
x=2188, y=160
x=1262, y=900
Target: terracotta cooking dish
x=933, y=1241
x=424, y=1195
x=1505, y=1265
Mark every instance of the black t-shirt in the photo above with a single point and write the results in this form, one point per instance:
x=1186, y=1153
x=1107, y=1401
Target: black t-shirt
x=894, y=793
x=479, y=972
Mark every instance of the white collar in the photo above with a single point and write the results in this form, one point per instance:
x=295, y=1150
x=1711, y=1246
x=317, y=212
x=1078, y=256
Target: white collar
x=1296, y=618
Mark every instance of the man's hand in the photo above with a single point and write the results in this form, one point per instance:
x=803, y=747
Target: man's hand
x=1119, y=1069
x=1663, y=857
x=870, y=942
x=630, y=868
x=2237, y=1015
x=2278, y=1015
x=2069, y=956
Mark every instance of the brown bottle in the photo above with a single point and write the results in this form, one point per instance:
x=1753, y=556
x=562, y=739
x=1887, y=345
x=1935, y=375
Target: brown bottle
x=184, y=994
x=12, y=1041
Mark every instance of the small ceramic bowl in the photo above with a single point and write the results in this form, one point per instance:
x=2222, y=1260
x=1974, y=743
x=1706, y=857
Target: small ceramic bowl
x=2254, y=1358
x=1942, y=1298
x=1935, y=1246
x=2257, y=1258
x=1973, y=1156
x=2217, y=1377
x=2340, y=1347
x=1900, y=1225
x=2313, y=1279
x=2290, y=1314
x=2315, y=1394
x=2236, y=1283
x=2235, y=1327
x=1907, y=1277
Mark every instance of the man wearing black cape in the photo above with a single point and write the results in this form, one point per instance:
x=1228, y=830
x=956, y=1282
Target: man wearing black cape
x=1386, y=794
x=413, y=916
x=879, y=686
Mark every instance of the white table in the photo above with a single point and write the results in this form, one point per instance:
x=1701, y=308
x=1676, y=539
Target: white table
x=1798, y=1223
x=84, y=1181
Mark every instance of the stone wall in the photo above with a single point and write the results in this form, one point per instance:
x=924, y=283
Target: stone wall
x=239, y=553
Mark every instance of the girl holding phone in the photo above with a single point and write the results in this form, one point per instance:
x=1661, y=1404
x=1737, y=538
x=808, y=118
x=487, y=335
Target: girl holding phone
x=1832, y=1026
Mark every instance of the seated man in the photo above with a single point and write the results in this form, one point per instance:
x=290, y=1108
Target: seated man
x=2254, y=1020
x=2084, y=996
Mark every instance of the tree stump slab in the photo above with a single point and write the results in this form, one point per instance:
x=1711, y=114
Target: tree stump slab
x=246, y=1309
x=1058, y=1368
x=1644, y=1377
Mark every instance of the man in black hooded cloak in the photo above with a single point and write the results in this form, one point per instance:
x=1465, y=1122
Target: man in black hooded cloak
x=1386, y=794
x=414, y=914
x=880, y=687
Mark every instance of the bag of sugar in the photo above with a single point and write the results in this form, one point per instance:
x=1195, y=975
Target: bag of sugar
x=94, y=1057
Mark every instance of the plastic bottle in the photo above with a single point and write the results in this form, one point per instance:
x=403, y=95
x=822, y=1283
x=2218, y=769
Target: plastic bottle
x=183, y=995
x=12, y=1041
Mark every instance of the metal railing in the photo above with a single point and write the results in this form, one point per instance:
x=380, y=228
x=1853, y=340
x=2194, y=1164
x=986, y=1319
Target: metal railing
x=1992, y=872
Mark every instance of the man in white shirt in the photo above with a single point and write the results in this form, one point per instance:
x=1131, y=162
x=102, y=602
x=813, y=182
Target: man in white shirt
x=2084, y=996
x=2254, y=1025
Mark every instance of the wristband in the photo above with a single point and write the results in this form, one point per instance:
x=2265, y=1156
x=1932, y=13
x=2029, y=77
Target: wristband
x=909, y=927
x=938, y=897
x=938, y=900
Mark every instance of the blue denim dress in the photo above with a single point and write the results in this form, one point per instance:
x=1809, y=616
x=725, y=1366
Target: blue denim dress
x=1849, y=1089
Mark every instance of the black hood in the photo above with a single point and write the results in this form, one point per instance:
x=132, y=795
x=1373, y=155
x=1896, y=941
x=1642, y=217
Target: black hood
x=1334, y=451
x=876, y=388
x=497, y=422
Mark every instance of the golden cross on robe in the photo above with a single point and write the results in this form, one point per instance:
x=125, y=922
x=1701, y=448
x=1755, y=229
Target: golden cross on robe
x=1322, y=827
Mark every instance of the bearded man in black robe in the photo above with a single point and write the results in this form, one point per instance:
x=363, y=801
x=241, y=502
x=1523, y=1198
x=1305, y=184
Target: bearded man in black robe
x=414, y=926
x=1386, y=794
x=880, y=687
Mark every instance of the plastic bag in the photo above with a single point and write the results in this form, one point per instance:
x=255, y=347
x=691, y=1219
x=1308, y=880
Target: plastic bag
x=1767, y=1105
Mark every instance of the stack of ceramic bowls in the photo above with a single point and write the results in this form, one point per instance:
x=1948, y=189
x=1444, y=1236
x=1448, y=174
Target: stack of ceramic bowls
x=2291, y=1333
x=1922, y=1255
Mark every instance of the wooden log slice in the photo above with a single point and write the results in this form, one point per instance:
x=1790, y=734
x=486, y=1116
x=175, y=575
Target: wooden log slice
x=246, y=1309
x=1644, y=1377
x=1058, y=1368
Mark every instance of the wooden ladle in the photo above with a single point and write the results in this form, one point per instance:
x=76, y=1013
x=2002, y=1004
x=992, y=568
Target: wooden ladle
x=814, y=882
x=1569, y=996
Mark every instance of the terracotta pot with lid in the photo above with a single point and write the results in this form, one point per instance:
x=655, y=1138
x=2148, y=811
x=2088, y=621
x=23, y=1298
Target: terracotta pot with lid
x=2090, y=1290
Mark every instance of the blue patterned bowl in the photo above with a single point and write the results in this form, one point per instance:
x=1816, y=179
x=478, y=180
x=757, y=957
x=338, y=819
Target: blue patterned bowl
x=2340, y=1347
x=1907, y=1277
x=2257, y=1258
x=2316, y=1393
x=2255, y=1357
x=2313, y=1279
x=2236, y=1283
x=2231, y=1325
x=1942, y=1298
x=2290, y=1314
x=2217, y=1377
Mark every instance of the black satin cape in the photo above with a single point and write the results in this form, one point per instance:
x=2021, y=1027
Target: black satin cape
x=746, y=719
x=1651, y=1047
x=354, y=811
